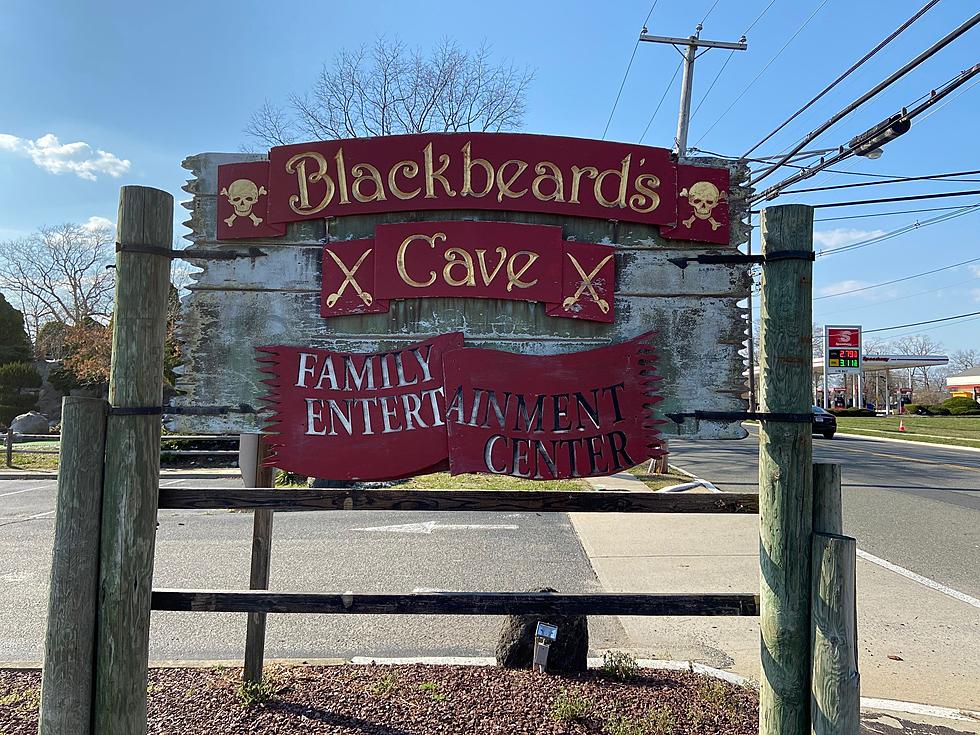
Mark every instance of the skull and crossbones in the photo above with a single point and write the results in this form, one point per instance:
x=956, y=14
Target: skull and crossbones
x=703, y=198
x=242, y=195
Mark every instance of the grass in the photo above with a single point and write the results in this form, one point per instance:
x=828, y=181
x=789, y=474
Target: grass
x=443, y=480
x=570, y=707
x=620, y=666
x=655, y=482
x=251, y=693
x=48, y=462
x=661, y=721
x=960, y=432
x=22, y=699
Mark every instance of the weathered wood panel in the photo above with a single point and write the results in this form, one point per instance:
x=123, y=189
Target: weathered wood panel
x=69, y=645
x=785, y=473
x=835, y=705
x=132, y=464
x=274, y=299
x=457, y=603
x=301, y=499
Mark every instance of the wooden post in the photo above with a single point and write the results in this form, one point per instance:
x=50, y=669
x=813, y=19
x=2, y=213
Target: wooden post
x=827, y=506
x=9, y=442
x=261, y=558
x=132, y=466
x=835, y=703
x=785, y=472
x=69, y=647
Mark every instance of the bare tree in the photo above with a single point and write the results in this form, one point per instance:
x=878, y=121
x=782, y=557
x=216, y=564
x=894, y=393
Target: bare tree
x=59, y=274
x=389, y=89
x=920, y=345
x=963, y=360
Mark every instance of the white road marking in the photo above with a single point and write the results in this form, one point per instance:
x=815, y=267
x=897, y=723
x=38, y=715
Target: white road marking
x=28, y=518
x=427, y=527
x=25, y=490
x=925, y=581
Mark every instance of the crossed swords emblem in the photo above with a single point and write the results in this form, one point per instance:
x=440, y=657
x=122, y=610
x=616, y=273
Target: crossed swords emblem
x=587, y=284
x=366, y=297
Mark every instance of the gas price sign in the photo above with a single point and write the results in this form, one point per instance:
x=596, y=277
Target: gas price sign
x=842, y=349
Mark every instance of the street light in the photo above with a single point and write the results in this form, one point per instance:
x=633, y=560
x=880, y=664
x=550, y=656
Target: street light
x=870, y=142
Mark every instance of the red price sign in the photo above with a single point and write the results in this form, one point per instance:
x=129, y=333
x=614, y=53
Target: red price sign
x=843, y=349
x=843, y=336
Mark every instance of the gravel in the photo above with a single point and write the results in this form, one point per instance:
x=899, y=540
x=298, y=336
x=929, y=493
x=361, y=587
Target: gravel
x=419, y=700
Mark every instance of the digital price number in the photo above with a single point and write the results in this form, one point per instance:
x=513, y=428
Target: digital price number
x=845, y=358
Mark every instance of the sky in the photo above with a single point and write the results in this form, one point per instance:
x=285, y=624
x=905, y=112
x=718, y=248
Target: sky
x=96, y=95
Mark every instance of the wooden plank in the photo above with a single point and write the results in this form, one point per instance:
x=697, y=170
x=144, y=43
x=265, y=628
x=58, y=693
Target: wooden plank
x=835, y=704
x=699, y=358
x=456, y=603
x=69, y=648
x=545, y=501
x=646, y=273
x=827, y=506
x=785, y=473
x=132, y=467
x=259, y=574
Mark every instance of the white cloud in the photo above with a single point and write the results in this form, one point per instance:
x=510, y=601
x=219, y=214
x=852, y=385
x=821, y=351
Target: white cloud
x=97, y=223
x=841, y=286
x=840, y=236
x=50, y=154
x=975, y=270
x=975, y=293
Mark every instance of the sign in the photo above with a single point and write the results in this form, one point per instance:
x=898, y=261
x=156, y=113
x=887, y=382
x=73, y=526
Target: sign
x=483, y=171
x=329, y=283
x=842, y=349
x=578, y=415
x=384, y=416
x=469, y=259
x=348, y=416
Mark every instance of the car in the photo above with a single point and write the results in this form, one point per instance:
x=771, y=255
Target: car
x=824, y=422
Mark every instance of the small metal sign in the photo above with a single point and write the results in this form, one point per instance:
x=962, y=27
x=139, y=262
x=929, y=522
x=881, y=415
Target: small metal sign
x=547, y=632
x=842, y=350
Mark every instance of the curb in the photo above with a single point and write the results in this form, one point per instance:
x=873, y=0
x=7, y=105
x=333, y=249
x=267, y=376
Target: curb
x=893, y=440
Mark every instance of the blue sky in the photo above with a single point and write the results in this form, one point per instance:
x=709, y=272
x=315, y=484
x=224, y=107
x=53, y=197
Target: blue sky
x=138, y=86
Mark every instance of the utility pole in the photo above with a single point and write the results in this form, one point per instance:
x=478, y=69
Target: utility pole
x=692, y=43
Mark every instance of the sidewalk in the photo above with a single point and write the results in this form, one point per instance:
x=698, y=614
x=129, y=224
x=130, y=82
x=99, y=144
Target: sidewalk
x=170, y=473
x=929, y=633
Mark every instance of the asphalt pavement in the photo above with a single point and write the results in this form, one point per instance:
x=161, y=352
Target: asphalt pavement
x=915, y=505
x=325, y=551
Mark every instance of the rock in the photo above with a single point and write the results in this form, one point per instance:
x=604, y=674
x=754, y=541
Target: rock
x=334, y=484
x=30, y=423
x=568, y=653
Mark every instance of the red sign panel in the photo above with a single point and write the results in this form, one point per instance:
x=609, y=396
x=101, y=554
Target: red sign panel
x=484, y=171
x=387, y=415
x=499, y=260
x=243, y=202
x=350, y=416
x=549, y=417
x=843, y=336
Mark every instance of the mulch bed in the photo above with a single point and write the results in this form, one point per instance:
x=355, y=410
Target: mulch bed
x=420, y=700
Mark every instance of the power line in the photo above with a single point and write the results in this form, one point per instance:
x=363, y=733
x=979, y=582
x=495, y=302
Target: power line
x=916, y=324
x=887, y=82
x=884, y=200
x=842, y=77
x=901, y=231
x=710, y=11
x=897, y=180
x=866, y=174
x=662, y=98
x=902, y=298
x=931, y=329
x=730, y=55
x=860, y=145
x=883, y=214
x=626, y=75
x=762, y=71
x=897, y=280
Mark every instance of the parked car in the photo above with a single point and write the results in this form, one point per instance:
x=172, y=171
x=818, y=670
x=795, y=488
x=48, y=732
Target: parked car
x=824, y=422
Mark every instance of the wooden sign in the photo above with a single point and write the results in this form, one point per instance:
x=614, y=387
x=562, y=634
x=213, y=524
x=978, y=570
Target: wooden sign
x=347, y=416
x=499, y=260
x=272, y=289
x=559, y=416
x=387, y=415
x=491, y=172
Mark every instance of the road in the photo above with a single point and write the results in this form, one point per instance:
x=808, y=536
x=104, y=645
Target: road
x=916, y=505
x=330, y=552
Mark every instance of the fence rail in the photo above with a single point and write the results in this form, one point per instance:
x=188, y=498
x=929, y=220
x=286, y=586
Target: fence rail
x=12, y=439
